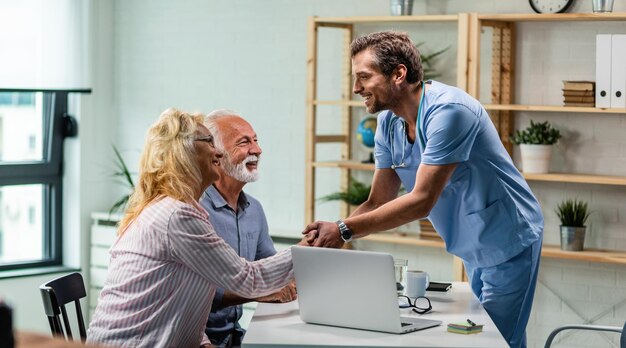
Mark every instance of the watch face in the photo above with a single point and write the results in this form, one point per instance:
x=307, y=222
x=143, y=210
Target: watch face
x=550, y=6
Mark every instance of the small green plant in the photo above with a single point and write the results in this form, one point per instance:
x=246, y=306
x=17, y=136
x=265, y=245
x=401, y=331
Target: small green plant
x=356, y=194
x=537, y=134
x=428, y=61
x=573, y=212
x=124, y=179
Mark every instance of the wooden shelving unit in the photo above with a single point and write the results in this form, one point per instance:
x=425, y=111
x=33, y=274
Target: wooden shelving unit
x=502, y=108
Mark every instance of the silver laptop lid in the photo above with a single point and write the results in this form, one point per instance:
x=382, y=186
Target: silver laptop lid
x=348, y=288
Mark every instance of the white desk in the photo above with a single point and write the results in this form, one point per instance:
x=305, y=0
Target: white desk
x=279, y=325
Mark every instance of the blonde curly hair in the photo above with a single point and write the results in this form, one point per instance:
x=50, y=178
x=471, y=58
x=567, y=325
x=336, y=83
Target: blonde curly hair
x=167, y=166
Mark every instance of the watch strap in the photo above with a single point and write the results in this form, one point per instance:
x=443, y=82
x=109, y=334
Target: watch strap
x=344, y=231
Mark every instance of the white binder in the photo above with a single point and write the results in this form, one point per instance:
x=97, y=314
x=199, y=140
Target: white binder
x=603, y=71
x=618, y=71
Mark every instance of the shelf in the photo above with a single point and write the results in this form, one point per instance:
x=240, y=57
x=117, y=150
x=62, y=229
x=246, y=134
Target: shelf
x=591, y=255
x=500, y=107
x=552, y=177
x=578, y=178
x=554, y=17
x=552, y=108
x=404, y=240
x=345, y=164
x=548, y=251
x=385, y=19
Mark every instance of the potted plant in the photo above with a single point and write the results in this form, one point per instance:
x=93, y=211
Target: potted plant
x=428, y=61
x=126, y=179
x=573, y=214
x=536, y=146
x=356, y=194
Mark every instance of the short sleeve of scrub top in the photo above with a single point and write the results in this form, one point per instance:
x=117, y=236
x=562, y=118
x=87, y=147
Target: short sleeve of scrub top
x=450, y=131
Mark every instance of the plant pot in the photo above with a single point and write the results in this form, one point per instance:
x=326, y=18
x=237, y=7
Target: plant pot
x=572, y=238
x=401, y=7
x=536, y=158
x=602, y=6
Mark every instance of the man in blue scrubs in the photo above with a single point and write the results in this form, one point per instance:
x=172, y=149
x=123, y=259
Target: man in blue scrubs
x=439, y=143
x=238, y=218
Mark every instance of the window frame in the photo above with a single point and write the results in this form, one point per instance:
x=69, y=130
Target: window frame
x=48, y=173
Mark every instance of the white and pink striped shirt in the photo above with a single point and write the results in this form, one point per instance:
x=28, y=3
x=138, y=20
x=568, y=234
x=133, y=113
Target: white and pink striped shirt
x=162, y=277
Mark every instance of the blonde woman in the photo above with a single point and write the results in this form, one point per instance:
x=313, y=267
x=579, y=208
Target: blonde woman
x=167, y=260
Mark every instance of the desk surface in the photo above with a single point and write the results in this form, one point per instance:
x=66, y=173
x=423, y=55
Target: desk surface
x=279, y=325
x=34, y=340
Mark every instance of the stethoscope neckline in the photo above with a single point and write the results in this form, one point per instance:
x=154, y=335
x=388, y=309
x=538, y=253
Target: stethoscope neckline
x=395, y=119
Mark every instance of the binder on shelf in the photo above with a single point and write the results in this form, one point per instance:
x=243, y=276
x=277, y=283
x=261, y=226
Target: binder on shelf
x=603, y=71
x=618, y=71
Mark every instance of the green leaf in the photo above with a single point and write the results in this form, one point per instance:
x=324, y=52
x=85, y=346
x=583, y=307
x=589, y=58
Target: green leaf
x=124, y=178
x=356, y=194
x=428, y=61
x=121, y=203
x=573, y=212
x=537, y=133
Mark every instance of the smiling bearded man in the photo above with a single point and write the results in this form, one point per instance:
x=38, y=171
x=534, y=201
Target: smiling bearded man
x=238, y=218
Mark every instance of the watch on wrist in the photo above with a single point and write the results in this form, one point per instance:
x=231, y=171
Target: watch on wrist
x=344, y=231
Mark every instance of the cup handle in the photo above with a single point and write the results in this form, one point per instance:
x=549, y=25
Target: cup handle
x=427, y=280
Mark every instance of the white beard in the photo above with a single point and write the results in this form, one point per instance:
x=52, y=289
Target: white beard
x=239, y=171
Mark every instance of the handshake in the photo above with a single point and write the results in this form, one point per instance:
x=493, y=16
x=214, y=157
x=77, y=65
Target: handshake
x=322, y=234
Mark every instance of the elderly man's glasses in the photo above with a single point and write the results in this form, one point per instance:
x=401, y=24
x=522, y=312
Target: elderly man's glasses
x=207, y=139
x=419, y=305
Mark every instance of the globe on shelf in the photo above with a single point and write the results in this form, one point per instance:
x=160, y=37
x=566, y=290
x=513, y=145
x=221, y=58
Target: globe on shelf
x=365, y=134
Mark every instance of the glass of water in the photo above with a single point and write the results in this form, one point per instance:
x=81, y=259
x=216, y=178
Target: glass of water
x=400, y=266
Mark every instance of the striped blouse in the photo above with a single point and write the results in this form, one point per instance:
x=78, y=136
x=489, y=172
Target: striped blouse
x=163, y=274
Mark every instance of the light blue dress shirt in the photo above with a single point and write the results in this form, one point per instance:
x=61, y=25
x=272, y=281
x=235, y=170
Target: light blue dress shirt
x=487, y=213
x=246, y=231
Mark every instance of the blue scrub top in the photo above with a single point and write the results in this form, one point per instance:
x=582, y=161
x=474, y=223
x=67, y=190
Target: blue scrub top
x=487, y=213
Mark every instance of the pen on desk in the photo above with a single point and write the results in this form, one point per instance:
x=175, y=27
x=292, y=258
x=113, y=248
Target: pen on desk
x=471, y=322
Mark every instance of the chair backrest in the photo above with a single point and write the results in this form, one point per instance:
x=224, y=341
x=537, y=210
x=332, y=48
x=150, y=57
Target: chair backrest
x=6, y=326
x=55, y=295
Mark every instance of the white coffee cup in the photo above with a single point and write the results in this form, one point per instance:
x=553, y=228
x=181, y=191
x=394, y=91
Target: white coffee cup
x=416, y=283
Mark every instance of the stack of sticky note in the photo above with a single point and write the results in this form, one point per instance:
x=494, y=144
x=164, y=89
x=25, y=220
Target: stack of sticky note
x=465, y=328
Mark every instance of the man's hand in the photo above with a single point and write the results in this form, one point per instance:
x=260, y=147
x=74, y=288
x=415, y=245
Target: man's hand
x=304, y=241
x=286, y=294
x=323, y=234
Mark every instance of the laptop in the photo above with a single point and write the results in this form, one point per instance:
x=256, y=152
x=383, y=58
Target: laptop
x=350, y=288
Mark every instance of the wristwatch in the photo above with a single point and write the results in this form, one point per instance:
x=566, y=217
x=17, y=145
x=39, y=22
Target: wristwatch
x=344, y=231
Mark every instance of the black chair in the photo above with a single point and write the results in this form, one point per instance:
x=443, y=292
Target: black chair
x=55, y=295
x=621, y=331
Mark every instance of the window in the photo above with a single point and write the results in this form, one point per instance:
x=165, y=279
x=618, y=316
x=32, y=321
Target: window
x=31, y=149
